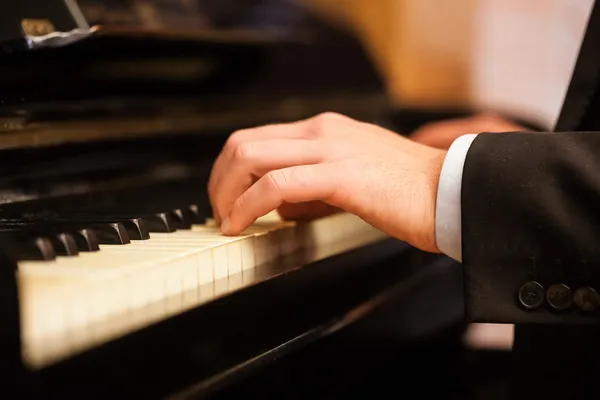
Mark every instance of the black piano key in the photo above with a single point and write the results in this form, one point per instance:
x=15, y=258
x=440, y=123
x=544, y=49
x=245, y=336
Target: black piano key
x=161, y=222
x=136, y=228
x=36, y=249
x=104, y=232
x=180, y=220
x=64, y=244
x=194, y=214
x=30, y=245
x=87, y=240
x=111, y=233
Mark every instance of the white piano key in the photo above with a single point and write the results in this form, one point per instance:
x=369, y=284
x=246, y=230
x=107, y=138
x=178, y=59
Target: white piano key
x=207, y=291
x=247, y=253
x=174, y=304
x=249, y=276
x=83, y=282
x=262, y=249
x=234, y=258
x=205, y=262
x=220, y=286
x=191, y=297
x=220, y=264
x=235, y=282
x=287, y=237
x=93, y=297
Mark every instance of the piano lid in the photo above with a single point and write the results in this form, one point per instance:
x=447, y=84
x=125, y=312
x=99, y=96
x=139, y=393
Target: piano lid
x=251, y=18
x=74, y=70
x=35, y=24
x=57, y=50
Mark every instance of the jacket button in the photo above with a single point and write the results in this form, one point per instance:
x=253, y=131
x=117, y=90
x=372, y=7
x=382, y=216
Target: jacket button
x=559, y=296
x=586, y=298
x=531, y=295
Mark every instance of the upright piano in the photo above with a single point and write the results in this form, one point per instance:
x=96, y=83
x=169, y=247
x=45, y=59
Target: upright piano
x=114, y=281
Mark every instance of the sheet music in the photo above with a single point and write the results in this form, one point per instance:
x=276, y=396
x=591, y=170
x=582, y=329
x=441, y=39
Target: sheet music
x=524, y=55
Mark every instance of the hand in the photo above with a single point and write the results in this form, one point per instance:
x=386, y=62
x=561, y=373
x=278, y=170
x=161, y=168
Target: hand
x=442, y=134
x=313, y=167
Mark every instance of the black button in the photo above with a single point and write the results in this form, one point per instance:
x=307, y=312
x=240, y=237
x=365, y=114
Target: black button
x=531, y=295
x=586, y=298
x=559, y=296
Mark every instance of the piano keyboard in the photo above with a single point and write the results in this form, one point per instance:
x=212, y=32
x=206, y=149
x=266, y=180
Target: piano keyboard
x=73, y=303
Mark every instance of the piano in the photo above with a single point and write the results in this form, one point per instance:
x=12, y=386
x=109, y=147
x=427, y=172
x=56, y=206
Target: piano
x=115, y=280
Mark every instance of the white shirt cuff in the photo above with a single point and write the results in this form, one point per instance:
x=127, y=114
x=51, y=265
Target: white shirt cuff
x=448, y=227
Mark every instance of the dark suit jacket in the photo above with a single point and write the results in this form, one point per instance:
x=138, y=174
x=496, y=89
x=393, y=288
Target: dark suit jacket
x=531, y=239
x=531, y=212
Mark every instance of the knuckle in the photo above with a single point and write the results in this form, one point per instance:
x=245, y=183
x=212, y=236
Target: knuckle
x=339, y=183
x=323, y=123
x=243, y=151
x=234, y=140
x=330, y=116
x=276, y=180
x=240, y=204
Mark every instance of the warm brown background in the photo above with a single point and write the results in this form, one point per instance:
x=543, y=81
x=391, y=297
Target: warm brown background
x=512, y=55
x=420, y=45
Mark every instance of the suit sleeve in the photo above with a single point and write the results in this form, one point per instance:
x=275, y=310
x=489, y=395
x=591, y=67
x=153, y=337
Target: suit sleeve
x=531, y=228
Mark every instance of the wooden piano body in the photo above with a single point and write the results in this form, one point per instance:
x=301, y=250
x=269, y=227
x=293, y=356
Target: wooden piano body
x=113, y=280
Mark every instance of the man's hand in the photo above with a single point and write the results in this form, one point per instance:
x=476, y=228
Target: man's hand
x=442, y=134
x=313, y=167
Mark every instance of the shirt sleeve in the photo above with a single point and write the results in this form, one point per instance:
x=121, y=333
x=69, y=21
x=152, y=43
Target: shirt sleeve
x=448, y=203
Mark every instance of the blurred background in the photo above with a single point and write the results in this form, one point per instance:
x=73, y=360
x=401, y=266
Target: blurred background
x=466, y=53
x=434, y=54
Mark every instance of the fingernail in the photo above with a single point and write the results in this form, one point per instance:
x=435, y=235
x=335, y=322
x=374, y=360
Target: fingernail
x=225, y=225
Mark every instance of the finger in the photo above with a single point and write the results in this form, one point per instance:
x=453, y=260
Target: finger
x=291, y=185
x=287, y=130
x=256, y=158
x=221, y=164
x=306, y=211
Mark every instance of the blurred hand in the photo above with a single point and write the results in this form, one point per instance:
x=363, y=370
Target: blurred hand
x=442, y=134
x=314, y=167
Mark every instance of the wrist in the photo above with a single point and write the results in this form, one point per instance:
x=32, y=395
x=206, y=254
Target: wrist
x=426, y=239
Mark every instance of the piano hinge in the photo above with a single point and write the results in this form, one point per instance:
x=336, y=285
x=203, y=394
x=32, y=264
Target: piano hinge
x=37, y=27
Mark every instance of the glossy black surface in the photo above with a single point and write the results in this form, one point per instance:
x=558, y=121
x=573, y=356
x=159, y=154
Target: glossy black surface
x=350, y=365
